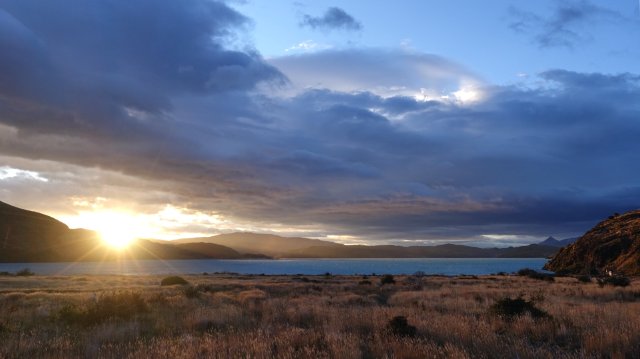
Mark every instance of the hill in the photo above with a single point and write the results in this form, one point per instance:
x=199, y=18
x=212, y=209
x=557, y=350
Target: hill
x=267, y=244
x=613, y=244
x=298, y=247
x=441, y=251
x=27, y=236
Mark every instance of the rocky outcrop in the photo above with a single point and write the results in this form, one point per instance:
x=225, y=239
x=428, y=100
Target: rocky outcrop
x=612, y=245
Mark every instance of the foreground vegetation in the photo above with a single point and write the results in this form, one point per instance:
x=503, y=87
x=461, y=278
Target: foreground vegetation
x=317, y=317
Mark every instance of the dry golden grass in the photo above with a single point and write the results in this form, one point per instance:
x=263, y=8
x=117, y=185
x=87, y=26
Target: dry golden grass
x=312, y=317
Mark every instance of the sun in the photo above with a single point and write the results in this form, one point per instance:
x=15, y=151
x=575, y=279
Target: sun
x=116, y=228
x=117, y=237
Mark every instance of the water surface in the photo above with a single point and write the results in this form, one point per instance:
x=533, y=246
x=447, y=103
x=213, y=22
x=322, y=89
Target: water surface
x=445, y=266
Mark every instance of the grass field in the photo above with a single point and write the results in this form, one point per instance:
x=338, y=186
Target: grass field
x=241, y=316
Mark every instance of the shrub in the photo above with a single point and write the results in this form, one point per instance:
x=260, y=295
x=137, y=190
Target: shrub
x=70, y=314
x=124, y=306
x=387, y=279
x=25, y=272
x=400, y=326
x=364, y=282
x=616, y=281
x=584, y=278
x=173, y=280
x=508, y=308
x=191, y=292
x=526, y=272
x=5, y=274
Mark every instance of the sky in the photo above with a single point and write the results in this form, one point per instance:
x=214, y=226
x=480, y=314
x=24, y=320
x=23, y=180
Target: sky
x=488, y=123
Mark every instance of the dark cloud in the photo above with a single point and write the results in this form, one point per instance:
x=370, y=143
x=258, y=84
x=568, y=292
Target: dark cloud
x=566, y=26
x=333, y=19
x=103, y=66
x=364, y=152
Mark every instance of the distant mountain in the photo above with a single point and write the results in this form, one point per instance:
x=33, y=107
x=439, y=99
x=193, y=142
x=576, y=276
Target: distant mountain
x=267, y=244
x=552, y=242
x=441, y=251
x=297, y=247
x=613, y=244
x=27, y=236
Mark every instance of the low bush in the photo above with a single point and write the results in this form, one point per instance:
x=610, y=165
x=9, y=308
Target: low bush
x=530, y=273
x=124, y=306
x=508, y=308
x=387, y=279
x=191, y=292
x=364, y=282
x=174, y=280
x=616, y=281
x=400, y=326
x=584, y=278
x=26, y=272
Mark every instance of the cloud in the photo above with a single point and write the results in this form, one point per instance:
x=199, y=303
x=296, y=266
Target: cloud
x=307, y=46
x=566, y=26
x=383, y=72
x=333, y=19
x=7, y=173
x=359, y=143
x=94, y=67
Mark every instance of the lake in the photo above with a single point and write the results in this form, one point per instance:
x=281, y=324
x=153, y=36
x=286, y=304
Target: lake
x=445, y=266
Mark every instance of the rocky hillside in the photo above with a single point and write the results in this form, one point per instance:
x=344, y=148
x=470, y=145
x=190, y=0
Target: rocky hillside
x=613, y=244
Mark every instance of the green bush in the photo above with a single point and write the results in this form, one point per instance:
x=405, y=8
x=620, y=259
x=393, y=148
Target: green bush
x=400, y=326
x=174, y=280
x=508, y=308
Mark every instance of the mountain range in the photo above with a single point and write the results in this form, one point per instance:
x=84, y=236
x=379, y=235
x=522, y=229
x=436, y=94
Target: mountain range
x=552, y=242
x=27, y=236
x=294, y=247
